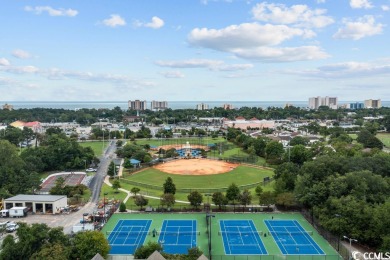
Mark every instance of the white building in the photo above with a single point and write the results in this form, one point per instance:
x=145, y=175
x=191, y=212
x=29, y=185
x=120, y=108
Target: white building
x=316, y=102
x=48, y=204
x=202, y=106
x=159, y=105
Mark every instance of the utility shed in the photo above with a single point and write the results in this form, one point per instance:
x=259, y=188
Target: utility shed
x=47, y=204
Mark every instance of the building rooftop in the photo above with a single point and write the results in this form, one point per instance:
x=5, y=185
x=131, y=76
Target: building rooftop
x=37, y=198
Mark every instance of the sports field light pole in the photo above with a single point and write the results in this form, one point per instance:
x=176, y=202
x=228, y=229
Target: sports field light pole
x=104, y=206
x=84, y=215
x=350, y=245
x=210, y=216
x=338, y=232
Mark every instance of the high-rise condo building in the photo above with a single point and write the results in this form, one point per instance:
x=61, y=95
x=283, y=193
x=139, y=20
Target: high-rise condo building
x=202, y=106
x=137, y=105
x=159, y=105
x=316, y=102
x=373, y=103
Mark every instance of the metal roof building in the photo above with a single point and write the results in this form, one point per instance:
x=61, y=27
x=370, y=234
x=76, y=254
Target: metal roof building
x=47, y=204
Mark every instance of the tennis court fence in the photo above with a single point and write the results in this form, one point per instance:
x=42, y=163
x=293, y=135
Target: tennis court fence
x=276, y=257
x=140, y=233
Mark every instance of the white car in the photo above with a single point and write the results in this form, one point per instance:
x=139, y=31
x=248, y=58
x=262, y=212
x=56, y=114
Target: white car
x=11, y=227
x=91, y=170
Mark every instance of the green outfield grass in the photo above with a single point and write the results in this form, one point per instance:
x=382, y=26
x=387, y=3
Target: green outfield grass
x=241, y=175
x=385, y=138
x=172, y=141
x=97, y=146
x=217, y=242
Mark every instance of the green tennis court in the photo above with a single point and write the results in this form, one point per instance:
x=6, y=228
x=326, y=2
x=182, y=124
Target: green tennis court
x=217, y=243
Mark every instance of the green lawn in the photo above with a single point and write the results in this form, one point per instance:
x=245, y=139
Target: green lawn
x=241, y=175
x=218, y=251
x=353, y=136
x=96, y=146
x=112, y=194
x=385, y=138
x=173, y=141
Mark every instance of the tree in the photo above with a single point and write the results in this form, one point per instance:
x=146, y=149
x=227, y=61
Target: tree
x=274, y=151
x=258, y=190
x=369, y=140
x=140, y=201
x=245, y=198
x=169, y=186
x=111, y=169
x=232, y=192
x=144, y=251
x=116, y=184
x=267, y=198
x=285, y=199
x=52, y=252
x=195, y=198
x=88, y=243
x=135, y=190
x=167, y=199
x=299, y=154
x=219, y=199
x=299, y=140
x=122, y=207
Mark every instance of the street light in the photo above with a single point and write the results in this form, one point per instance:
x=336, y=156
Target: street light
x=350, y=244
x=104, y=207
x=338, y=232
x=209, y=216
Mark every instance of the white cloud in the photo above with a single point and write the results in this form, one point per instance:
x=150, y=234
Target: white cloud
x=347, y=70
x=215, y=65
x=385, y=8
x=363, y=27
x=244, y=35
x=114, y=21
x=299, y=15
x=285, y=54
x=20, y=69
x=21, y=54
x=156, y=23
x=357, y=4
x=51, y=11
x=321, y=1
x=253, y=41
x=173, y=74
x=4, y=62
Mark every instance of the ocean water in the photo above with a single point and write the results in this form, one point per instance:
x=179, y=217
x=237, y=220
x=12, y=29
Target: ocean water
x=71, y=105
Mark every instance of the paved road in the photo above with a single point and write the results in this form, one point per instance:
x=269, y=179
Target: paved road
x=96, y=183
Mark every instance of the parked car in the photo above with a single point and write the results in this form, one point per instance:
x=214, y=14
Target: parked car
x=11, y=227
x=91, y=170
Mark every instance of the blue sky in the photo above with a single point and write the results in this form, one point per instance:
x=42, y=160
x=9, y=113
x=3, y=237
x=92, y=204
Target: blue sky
x=200, y=50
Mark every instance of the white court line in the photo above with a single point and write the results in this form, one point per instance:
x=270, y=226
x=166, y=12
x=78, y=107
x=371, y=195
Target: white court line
x=309, y=239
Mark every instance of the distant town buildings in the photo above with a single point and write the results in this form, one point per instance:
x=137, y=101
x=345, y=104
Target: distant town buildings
x=8, y=107
x=228, y=106
x=35, y=126
x=137, y=105
x=373, y=103
x=316, y=102
x=253, y=123
x=159, y=105
x=202, y=106
x=356, y=105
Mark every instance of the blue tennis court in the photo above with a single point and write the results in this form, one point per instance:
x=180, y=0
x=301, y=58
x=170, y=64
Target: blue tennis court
x=240, y=237
x=292, y=238
x=177, y=236
x=127, y=236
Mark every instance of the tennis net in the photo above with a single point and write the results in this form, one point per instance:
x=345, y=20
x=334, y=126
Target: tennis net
x=238, y=233
x=127, y=233
x=293, y=233
x=181, y=233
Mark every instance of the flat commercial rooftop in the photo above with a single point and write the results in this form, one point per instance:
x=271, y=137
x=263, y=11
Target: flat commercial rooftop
x=35, y=198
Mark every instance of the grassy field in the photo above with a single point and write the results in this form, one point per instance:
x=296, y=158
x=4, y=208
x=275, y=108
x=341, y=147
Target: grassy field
x=174, y=141
x=111, y=194
x=241, y=175
x=217, y=240
x=385, y=138
x=97, y=146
